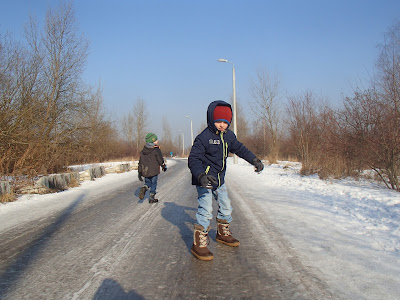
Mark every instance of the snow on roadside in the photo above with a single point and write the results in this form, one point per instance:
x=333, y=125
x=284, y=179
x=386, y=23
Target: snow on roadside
x=346, y=229
x=365, y=203
x=106, y=165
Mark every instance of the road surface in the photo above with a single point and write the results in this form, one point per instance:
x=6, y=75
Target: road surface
x=114, y=246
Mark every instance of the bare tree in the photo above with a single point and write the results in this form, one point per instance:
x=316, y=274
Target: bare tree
x=96, y=137
x=140, y=122
x=370, y=120
x=389, y=83
x=242, y=127
x=51, y=87
x=167, y=142
x=48, y=117
x=64, y=58
x=304, y=131
x=265, y=91
x=388, y=66
x=257, y=140
x=21, y=107
x=128, y=125
x=371, y=130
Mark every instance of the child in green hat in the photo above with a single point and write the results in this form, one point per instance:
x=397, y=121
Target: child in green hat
x=150, y=161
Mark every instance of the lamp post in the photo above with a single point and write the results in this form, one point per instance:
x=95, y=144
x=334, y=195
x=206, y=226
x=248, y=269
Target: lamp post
x=235, y=159
x=191, y=128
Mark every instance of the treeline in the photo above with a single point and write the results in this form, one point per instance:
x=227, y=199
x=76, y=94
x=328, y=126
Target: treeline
x=135, y=126
x=363, y=134
x=49, y=118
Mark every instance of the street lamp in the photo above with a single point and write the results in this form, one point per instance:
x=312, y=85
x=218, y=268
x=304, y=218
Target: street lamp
x=235, y=159
x=191, y=128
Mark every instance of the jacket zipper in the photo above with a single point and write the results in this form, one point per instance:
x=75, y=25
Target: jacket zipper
x=224, y=155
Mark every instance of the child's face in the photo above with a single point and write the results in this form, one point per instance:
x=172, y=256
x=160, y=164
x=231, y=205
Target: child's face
x=221, y=125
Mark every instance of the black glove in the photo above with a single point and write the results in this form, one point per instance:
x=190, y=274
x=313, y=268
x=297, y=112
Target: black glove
x=140, y=176
x=164, y=167
x=207, y=181
x=258, y=165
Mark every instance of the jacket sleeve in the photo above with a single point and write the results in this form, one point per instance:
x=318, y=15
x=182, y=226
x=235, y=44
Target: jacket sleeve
x=159, y=157
x=240, y=150
x=140, y=167
x=196, y=156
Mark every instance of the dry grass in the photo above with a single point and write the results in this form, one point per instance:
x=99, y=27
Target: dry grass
x=73, y=183
x=335, y=167
x=7, y=198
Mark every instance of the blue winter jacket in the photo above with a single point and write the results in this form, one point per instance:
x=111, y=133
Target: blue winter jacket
x=211, y=148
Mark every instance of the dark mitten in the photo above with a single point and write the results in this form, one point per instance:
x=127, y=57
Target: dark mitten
x=140, y=176
x=258, y=165
x=164, y=167
x=207, y=181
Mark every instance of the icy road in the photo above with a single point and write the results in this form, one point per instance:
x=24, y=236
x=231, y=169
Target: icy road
x=108, y=244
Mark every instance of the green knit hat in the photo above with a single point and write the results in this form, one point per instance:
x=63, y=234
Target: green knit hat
x=151, y=138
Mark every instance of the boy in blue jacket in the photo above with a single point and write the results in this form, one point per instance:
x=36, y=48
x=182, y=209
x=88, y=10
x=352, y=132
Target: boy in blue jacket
x=207, y=163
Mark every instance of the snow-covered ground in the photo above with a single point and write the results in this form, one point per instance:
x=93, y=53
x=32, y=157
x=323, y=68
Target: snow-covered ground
x=362, y=207
x=347, y=229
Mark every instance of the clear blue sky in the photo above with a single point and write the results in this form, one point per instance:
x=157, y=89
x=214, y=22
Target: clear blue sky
x=166, y=51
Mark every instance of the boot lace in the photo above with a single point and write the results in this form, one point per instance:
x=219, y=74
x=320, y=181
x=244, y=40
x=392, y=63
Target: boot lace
x=204, y=240
x=225, y=229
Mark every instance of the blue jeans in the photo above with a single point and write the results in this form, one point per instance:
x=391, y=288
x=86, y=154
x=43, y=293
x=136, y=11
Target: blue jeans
x=204, y=209
x=151, y=183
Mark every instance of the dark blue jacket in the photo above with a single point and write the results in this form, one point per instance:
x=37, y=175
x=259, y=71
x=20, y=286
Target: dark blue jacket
x=211, y=148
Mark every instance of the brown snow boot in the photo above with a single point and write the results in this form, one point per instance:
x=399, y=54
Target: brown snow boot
x=152, y=198
x=200, y=243
x=224, y=234
x=143, y=191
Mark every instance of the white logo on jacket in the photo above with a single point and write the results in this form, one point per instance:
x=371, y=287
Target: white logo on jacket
x=214, y=142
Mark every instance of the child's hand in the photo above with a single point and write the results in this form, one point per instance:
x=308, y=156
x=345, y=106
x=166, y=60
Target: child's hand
x=207, y=181
x=258, y=165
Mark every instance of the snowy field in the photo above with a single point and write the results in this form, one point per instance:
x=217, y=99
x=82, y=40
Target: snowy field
x=348, y=230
